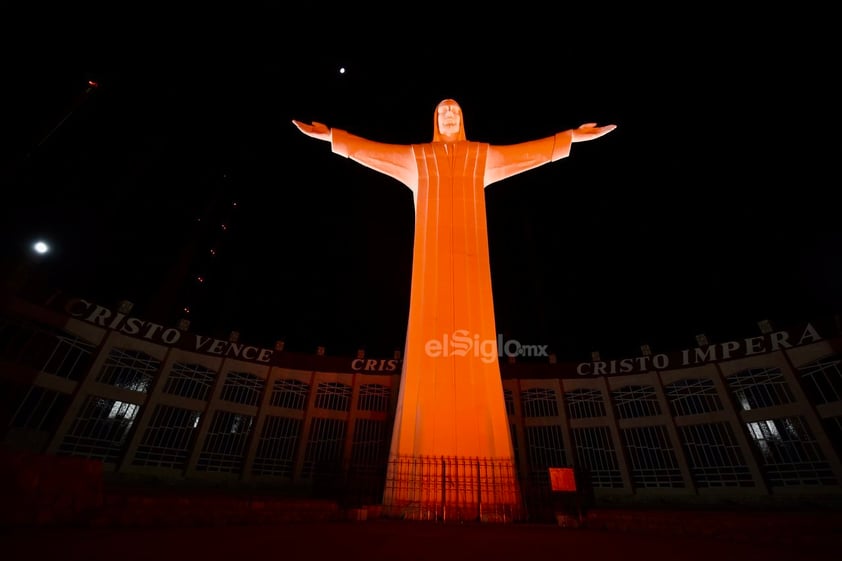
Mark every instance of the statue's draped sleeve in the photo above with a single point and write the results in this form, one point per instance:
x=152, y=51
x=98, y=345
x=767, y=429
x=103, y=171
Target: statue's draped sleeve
x=506, y=161
x=398, y=160
x=395, y=160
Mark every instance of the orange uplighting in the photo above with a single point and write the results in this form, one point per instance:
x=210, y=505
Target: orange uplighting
x=450, y=400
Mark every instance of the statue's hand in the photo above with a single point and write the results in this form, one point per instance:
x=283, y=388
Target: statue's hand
x=314, y=130
x=589, y=131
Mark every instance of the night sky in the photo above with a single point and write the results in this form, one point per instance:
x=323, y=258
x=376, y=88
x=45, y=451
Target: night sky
x=708, y=209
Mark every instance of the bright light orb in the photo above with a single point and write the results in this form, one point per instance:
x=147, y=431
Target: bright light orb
x=342, y=70
x=41, y=247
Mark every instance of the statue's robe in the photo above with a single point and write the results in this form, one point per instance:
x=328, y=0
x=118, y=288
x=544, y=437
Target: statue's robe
x=450, y=399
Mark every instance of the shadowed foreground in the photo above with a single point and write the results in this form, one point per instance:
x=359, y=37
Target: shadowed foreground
x=376, y=540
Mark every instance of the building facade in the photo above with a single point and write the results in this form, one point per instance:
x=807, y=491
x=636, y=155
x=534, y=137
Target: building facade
x=751, y=420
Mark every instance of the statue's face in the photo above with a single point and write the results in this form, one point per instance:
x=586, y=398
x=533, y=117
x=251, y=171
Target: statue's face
x=449, y=118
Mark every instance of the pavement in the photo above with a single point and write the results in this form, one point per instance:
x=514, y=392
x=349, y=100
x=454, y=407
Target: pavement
x=395, y=540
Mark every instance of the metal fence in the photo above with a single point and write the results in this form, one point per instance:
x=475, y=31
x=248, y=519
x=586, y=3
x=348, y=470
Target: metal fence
x=452, y=489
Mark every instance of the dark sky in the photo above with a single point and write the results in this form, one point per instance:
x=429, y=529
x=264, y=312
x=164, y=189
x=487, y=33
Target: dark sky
x=709, y=208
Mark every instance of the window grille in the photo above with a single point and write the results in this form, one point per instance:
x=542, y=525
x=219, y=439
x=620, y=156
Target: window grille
x=41, y=409
x=545, y=446
x=596, y=454
x=584, y=403
x=100, y=430
x=833, y=429
x=276, y=447
x=759, y=387
x=370, y=447
x=515, y=445
x=374, y=397
x=509, y=399
x=225, y=443
x=130, y=370
x=168, y=438
x=333, y=395
x=45, y=349
x=714, y=456
x=70, y=358
x=192, y=381
x=324, y=447
x=539, y=402
x=822, y=380
x=290, y=394
x=652, y=457
x=790, y=454
x=692, y=397
x=242, y=387
x=632, y=402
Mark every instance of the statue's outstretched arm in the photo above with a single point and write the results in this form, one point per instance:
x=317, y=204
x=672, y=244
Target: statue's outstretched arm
x=589, y=131
x=315, y=130
x=395, y=160
x=506, y=161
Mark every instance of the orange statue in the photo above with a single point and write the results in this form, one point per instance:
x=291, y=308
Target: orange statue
x=451, y=453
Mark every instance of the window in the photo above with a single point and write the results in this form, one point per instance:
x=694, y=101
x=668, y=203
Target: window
x=324, y=447
x=790, y=454
x=290, y=394
x=822, y=380
x=652, y=457
x=509, y=400
x=276, y=447
x=714, y=456
x=759, y=387
x=100, y=430
x=333, y=395
x=692, y=397
x=636, y=401
x=45, y=349
x=242, y=387
x=374, y=397
x=190, y=380
x=41, y=409
x=370, y=448
x=225, y=443
x=168, y=438
x=131, y=370
x=596, y=454
x=545, y=447
x=539, y=402
x=584, y=403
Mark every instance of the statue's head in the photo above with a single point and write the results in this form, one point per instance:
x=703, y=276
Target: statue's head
x=448, y=125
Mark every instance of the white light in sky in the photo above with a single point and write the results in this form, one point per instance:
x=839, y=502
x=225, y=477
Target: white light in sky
x=41, y=247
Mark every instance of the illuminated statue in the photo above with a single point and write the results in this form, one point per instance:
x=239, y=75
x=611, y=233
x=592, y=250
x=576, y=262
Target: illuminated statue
x=451, y=446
